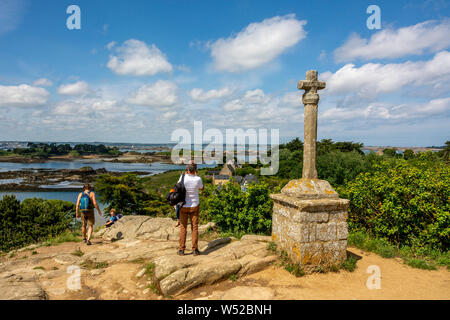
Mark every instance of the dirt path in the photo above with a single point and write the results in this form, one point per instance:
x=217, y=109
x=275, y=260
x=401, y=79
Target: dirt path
x=398, y=281
x=119, y=281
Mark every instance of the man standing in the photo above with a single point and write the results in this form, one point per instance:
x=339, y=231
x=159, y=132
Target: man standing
x=85, y=203
x=190, y=209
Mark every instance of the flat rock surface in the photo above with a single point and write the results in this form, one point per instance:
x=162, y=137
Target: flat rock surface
x=136, y=254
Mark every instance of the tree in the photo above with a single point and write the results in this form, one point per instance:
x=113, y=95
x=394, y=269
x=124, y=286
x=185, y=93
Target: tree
x=294, y=145
x=408, y=154
x=32, y=220
x=126, y=194
x=447, y=150
x=390, y=152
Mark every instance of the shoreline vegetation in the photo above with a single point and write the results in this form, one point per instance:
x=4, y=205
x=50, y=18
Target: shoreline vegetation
x=43, y=152
x=399, y=202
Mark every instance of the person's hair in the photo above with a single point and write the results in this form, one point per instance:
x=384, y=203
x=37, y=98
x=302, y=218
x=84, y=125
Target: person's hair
x=87, y=186
x=113, y=211
x=192, y=167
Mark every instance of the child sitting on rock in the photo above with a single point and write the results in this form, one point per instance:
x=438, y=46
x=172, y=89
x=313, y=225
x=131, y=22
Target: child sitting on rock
x=114, y=217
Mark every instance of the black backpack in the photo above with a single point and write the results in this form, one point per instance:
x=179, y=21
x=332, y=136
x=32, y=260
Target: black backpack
x=178, y=195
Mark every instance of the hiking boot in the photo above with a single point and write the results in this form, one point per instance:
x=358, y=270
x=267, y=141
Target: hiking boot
x=88, y=242
x=84, y=240
x=196, y=252
x=180, y=252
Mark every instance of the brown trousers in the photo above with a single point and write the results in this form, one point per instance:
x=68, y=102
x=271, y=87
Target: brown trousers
x=191, y=214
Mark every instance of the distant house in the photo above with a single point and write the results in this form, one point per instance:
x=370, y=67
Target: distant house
x=228, y=169
x=250, y=178
x=220, y=179
x=227, y=173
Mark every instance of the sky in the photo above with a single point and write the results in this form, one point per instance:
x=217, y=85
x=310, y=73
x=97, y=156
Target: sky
x=136, y=71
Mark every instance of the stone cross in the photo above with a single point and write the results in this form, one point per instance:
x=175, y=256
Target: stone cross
x=310, y=100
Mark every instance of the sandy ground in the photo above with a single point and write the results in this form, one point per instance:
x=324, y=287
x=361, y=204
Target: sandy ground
x=118, y=281
x=397, y=281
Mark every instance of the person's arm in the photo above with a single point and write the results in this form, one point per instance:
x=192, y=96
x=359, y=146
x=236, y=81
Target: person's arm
x=96, y=204
x=77, y=210
x=201, y=184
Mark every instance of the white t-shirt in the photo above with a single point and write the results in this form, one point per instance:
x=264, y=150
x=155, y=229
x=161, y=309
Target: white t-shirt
x=192, y=184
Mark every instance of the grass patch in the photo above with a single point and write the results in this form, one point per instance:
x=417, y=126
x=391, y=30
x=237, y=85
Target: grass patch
x=89, y=264
x=420, y=264
x=416, y=257
x=233, y=277
x=162, y=182
x=291, y=267
x=349, y=264
x=153, y=288
x=78, y=252
x=138, y=261
x=272, y=247
x=39, y=268
x=67, y=236
x=12, y=255
x=34, y=252
x=149, y=269
x=238, y=235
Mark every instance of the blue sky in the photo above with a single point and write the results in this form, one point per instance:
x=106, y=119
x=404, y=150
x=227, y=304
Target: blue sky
x=138, y=70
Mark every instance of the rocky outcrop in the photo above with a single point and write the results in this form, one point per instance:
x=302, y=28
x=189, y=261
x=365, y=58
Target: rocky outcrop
x=21, y=285
x=152, y=242
x=145, y=228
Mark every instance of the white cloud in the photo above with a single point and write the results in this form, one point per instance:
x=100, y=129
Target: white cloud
x=160, y=94
x=292, y=99
x=43, y=82
x=234, y=105
x=258, y=44
x=428, y=36
x=134, y=57
x=110, y=45
x=371, y=79
x=250, y=97
x=23, y=96
x=385, y=111
x=256, y=96
x=79, y=88
x=199, y=95
x=87, y=106
x=169, y=115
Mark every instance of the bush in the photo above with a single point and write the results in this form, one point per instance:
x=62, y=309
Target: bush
x=32, y=220
x=337, y=167
x=406, y=204
x=234, y=210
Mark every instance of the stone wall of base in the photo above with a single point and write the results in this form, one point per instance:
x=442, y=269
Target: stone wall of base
x=310, y=237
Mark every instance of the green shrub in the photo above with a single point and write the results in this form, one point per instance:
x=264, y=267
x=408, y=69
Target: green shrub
x=32, y=221
x=420, y=264
x=234, y=210
x=349, y=264
x=406, y=203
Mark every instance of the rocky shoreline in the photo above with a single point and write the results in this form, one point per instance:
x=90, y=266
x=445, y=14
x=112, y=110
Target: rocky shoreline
x=35, y=179
x=130, y=157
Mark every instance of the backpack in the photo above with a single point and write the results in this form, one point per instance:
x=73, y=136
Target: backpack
x=85, y=202
x=178, y=194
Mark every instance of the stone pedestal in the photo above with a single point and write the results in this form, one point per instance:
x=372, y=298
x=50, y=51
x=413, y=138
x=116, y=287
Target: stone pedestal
x=310, y=223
